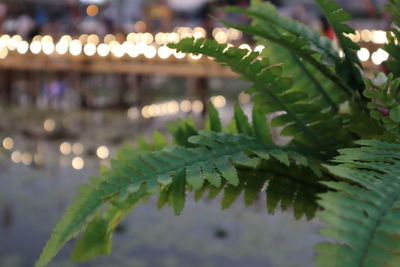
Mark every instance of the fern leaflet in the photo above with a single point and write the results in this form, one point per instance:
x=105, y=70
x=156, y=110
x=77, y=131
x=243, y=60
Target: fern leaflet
x=363, y=215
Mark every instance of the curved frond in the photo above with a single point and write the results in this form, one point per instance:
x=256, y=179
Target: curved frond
x=308, y=78
x=266, y=13
x=300, y=47
x=213, y=161
x=363, y=215
x=308, y=123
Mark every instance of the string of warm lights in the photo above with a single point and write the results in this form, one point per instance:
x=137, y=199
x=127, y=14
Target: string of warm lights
x=133, y=45
x=149, y=46
x=72, y=154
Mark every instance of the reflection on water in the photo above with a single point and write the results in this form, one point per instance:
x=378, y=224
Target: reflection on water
x=46, y=155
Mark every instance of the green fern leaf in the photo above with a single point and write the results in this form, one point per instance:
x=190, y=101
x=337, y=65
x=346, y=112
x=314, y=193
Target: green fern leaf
x=273, y=94
x=308, y=78
x=215, y=122
x=350, y=67
x=299, y=47
x=363, y=214
x=137, y=170
x=241, y=121
x=267, y=14
x=260, y=126
x=95, y=241
x=182, y=130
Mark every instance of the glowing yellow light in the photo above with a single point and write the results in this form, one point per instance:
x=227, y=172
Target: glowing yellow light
x=46, y=38
x=179, y=55
x=150, y=52
x=221, y=37
x=199, y=32
x=234, y=34
x=244, y=98
x=147, y=38
x=195, y=57
x=197, y=106
x=8, y=143
x=66, y=39
x=133, y=113
x=48, y=48
x=186, y=106
x=66, y=148
x=93, y=39
x=131, y=37
x=22, y=47
x=356, y=36
x=49, y=125
x=89, y=49
x=103, y=152
x=12, y=43
x=172, y=107
x=77, y=148
x=109, y=38
x=145, y=112
x=141, y=47
x=152, y=110
x=78, y=163
x=75, y=48
x=83, y=38
x=118, y=50
x=366, y=35
x=62, y=47
x=3, y=53
x=218, y=101
x=379, y=37
x=92, y=10
x=103, y=50
x=27, y=158
x=173, y=37
x=16, y=157
x=363, y=54
x=379, y=56
x=164, y=52
x=36, y=47
x=5, y=38
x=161, y=38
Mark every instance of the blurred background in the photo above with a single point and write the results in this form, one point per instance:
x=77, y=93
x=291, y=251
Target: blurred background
x=80, y=79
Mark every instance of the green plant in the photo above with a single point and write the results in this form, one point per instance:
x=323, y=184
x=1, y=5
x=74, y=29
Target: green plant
x=343, y=158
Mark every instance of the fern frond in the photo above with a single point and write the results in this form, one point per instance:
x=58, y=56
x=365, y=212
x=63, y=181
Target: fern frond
x=273, y=93
x=214, y=120
x=350, y=67
x=308, y=78
x=299, y=47
x=363, y=214
x=266, y=13
x=97, y=237
x=182, y=130
x=213, y=160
